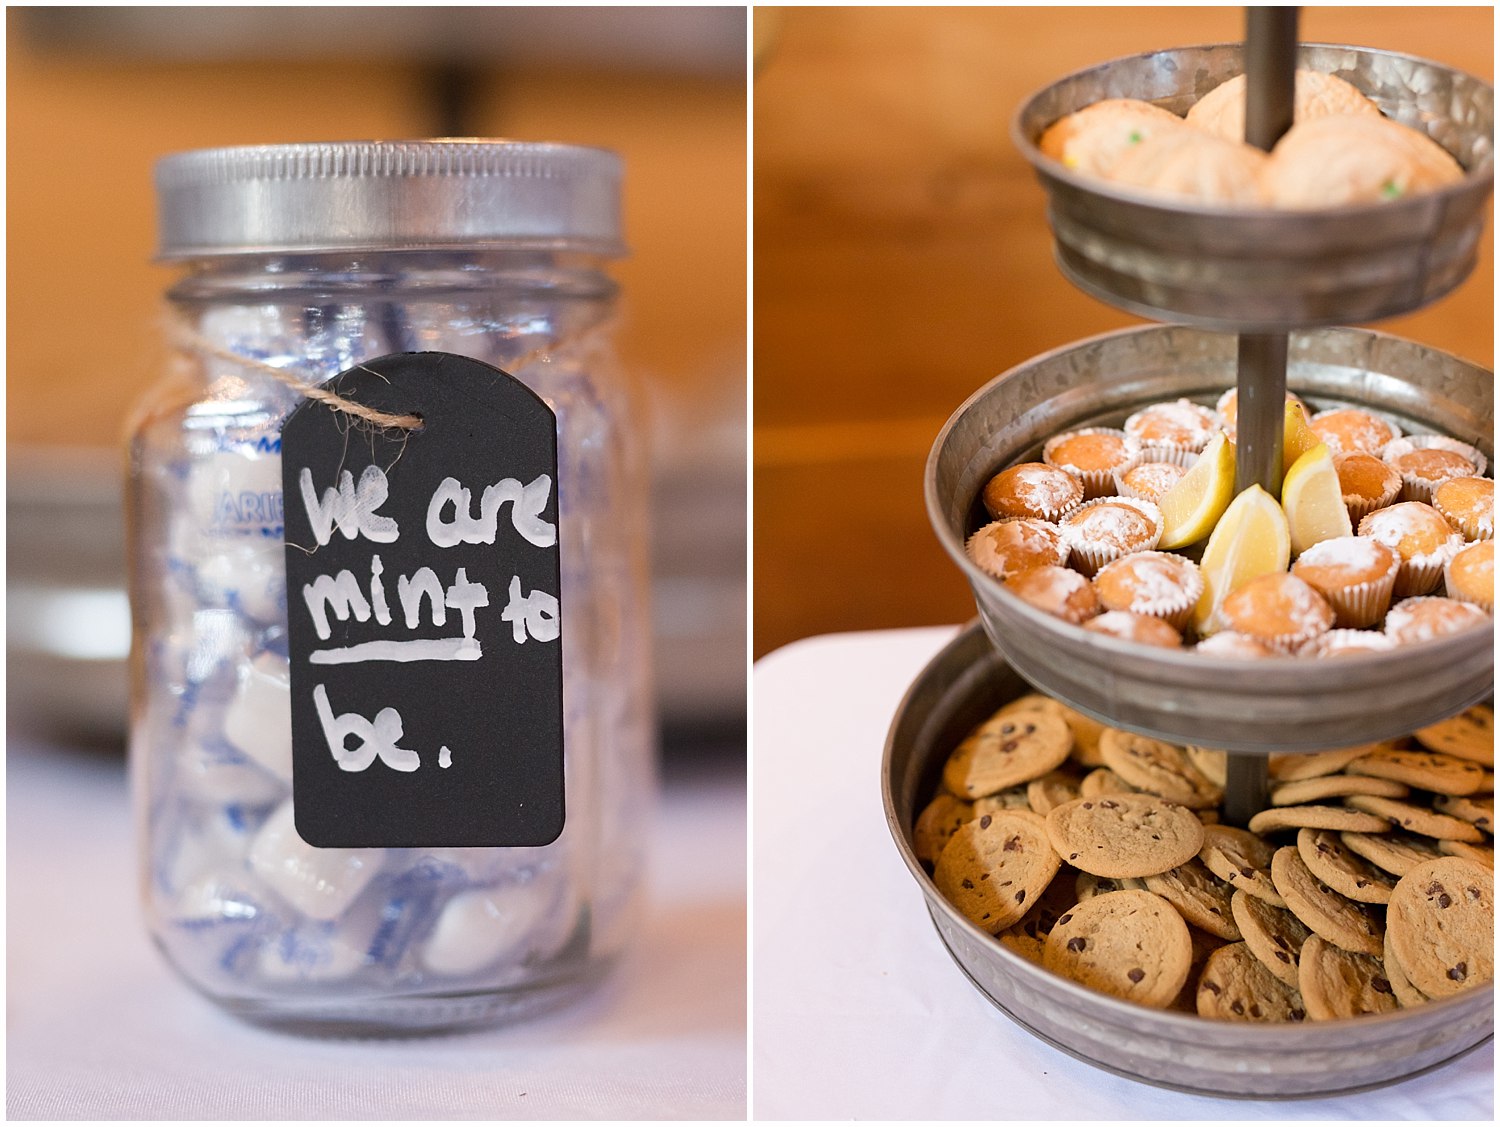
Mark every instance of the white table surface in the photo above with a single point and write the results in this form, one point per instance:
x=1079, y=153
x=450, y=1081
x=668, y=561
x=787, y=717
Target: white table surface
x=860, y=1013
x=99, y=1028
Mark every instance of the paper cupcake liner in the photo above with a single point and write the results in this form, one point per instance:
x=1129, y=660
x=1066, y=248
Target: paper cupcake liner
x=1101, y=482
x=1089, y=556
x=1472, y=528
x=1337, y=448
x=1175, y=610
x=1183, y=456
x=1421, y=575
x=1415, y=488
x=986, y=560
x=1358, y=605
x=1362, y=604
x=1418, y=575
x=1361, y=507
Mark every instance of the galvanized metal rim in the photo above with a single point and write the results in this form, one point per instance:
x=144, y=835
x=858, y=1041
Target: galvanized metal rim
x=1284, y=670
x=1116, y=1007
x=1119, y=1070
x=1481, y=176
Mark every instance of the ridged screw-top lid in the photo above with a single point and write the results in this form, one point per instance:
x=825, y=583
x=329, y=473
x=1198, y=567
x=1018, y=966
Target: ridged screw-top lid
x=388, y=195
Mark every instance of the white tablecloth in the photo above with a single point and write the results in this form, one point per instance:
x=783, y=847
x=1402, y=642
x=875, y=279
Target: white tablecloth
x=859, y=1011
x=99, y=1028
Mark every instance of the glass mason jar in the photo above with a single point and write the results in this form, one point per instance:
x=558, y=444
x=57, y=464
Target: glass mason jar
x=302, y=261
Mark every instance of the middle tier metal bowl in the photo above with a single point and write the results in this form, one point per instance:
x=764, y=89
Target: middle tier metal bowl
x=1256, y=269
x=1263, y=705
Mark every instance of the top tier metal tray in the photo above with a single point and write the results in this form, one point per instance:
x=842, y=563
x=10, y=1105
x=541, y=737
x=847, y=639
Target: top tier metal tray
x=1257, y=270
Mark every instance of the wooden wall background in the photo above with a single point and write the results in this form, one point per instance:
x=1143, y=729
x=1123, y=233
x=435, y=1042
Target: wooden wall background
x=902, y=259
x=83, y=133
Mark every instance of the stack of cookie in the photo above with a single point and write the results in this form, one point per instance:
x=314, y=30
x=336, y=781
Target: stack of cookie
x=1096, y=853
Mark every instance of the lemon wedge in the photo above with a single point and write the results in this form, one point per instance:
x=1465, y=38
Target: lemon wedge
x=1313, y=500
x=1297, y=436
x=1251, y=539
x=1192, y=507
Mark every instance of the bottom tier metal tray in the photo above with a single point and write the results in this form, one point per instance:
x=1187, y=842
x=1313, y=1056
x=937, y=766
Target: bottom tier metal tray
x=964, y=684
x=1274, y=704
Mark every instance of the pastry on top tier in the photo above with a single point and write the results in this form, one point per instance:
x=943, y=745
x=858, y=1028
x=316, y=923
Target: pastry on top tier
x=1097, y=136
x=1354, y=159
x=1222, y=110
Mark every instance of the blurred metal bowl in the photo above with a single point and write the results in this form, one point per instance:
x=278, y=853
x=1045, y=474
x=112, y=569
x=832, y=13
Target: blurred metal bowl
x=1272, y=704
x=963, y=685
x=1254, y=269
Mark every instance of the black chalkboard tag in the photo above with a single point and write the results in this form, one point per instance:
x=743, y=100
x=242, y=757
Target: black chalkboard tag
x=424, y=613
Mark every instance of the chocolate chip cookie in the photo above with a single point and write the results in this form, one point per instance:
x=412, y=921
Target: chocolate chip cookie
x=1236, y=986
x=1131, y=944
x=1124, y=835
x=1337, y=983
x=994, y=868
x=1009, y=748
x=1442, y=924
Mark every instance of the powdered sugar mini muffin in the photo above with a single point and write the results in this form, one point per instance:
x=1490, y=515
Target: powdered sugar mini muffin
x=1231, y=643
x=1148, y=480
x=1142, y=628
x=1032, y=489
x=1356, y=574
x=1194, y=166
x=1368, y=483
x=1421, y=619
x=1222, y=110
x=1338, y=643
x=1354, y=159
x=1173, y=432
x=1468, y=504
x=1351, y=430
x=1278, y=609
x=1470, y=575
x=1421, y=537
x=1093, y=139
x=1008, y=546
x=1107, y=528
x=1093, y=455
x=1425, y=461
x=1057, y=591
x=1159, y=584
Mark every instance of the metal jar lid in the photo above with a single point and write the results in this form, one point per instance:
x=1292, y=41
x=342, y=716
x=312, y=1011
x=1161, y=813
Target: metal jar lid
x=388, y=195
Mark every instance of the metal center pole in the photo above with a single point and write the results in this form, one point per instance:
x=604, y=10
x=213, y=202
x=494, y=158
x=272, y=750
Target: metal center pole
x=1270, y=89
